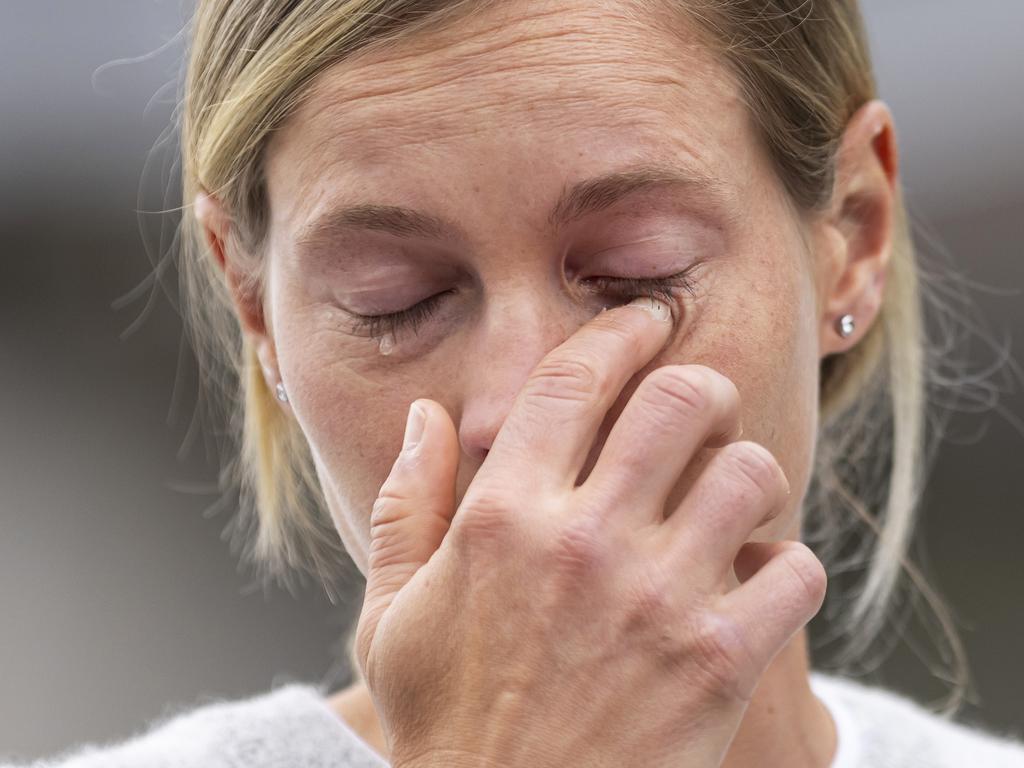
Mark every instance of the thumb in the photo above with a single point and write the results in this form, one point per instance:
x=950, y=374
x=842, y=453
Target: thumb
x=411, y=515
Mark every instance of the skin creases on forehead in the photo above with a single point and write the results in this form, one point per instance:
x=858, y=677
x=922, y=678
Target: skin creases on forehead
x=581, y=76
x=485, y=124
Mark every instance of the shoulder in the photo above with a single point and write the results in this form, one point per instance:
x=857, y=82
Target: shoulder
x=289, y=725
x=879, y=727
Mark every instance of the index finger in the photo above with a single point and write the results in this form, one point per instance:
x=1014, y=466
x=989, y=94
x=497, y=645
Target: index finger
x=556, y=415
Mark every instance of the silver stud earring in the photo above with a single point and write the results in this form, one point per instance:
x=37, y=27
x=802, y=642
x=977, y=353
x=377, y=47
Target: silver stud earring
x=281, y=392
x=845, y=326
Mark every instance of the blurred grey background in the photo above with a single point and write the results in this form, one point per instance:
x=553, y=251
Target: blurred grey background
x=119, y=597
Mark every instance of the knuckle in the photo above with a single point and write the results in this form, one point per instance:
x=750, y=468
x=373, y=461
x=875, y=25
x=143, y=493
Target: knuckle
x=485, y=515
x=713, y=381
x=648, y=605
x=720, y=655
x=573, y=378
x=578, y=547
x=394, y=535
x=753, y=467
x=683, y=388
x=387, y=508
x=809, y=577
x=388, y=545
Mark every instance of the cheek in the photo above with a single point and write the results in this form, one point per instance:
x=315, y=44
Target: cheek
x=352, y=417
x=756, y=325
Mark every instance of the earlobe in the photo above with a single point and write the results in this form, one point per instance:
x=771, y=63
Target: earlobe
x=861, y=219
x=267, y=355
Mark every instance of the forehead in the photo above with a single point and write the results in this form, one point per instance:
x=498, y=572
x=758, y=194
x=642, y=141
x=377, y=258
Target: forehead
x=519, y=93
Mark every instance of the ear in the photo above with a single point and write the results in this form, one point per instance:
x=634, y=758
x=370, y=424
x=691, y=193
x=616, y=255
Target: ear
x=860, y=227
x=240, y=279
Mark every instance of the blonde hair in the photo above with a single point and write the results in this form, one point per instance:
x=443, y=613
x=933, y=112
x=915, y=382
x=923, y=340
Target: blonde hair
x=804, y=69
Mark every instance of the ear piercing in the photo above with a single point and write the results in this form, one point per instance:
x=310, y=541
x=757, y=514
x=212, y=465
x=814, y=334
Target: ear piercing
x=281, y=392
x=845, y=325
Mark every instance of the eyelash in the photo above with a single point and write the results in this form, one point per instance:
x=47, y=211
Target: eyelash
x=629, y=288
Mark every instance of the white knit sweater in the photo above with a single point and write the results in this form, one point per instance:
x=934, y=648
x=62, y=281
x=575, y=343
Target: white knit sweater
x=292, y=726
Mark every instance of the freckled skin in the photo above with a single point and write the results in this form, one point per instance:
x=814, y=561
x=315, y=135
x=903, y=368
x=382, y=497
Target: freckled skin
x=484, y=124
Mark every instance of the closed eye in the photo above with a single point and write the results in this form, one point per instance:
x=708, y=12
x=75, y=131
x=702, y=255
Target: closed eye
x=624, y=288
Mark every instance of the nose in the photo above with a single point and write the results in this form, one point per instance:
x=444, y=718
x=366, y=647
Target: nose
x=515, y=333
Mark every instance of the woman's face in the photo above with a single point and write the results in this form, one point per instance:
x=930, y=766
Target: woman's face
x=509, y=171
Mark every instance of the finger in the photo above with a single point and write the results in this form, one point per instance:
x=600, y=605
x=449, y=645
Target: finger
x=741, y=488
x=673, y=412
x=783, y=587
x=552, y=424
x=411, y=515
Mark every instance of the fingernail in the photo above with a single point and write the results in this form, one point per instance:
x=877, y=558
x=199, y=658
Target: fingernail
x=414, y=427
x=657, y=308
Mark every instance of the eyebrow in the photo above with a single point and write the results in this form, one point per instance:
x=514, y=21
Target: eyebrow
x=576, y=201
